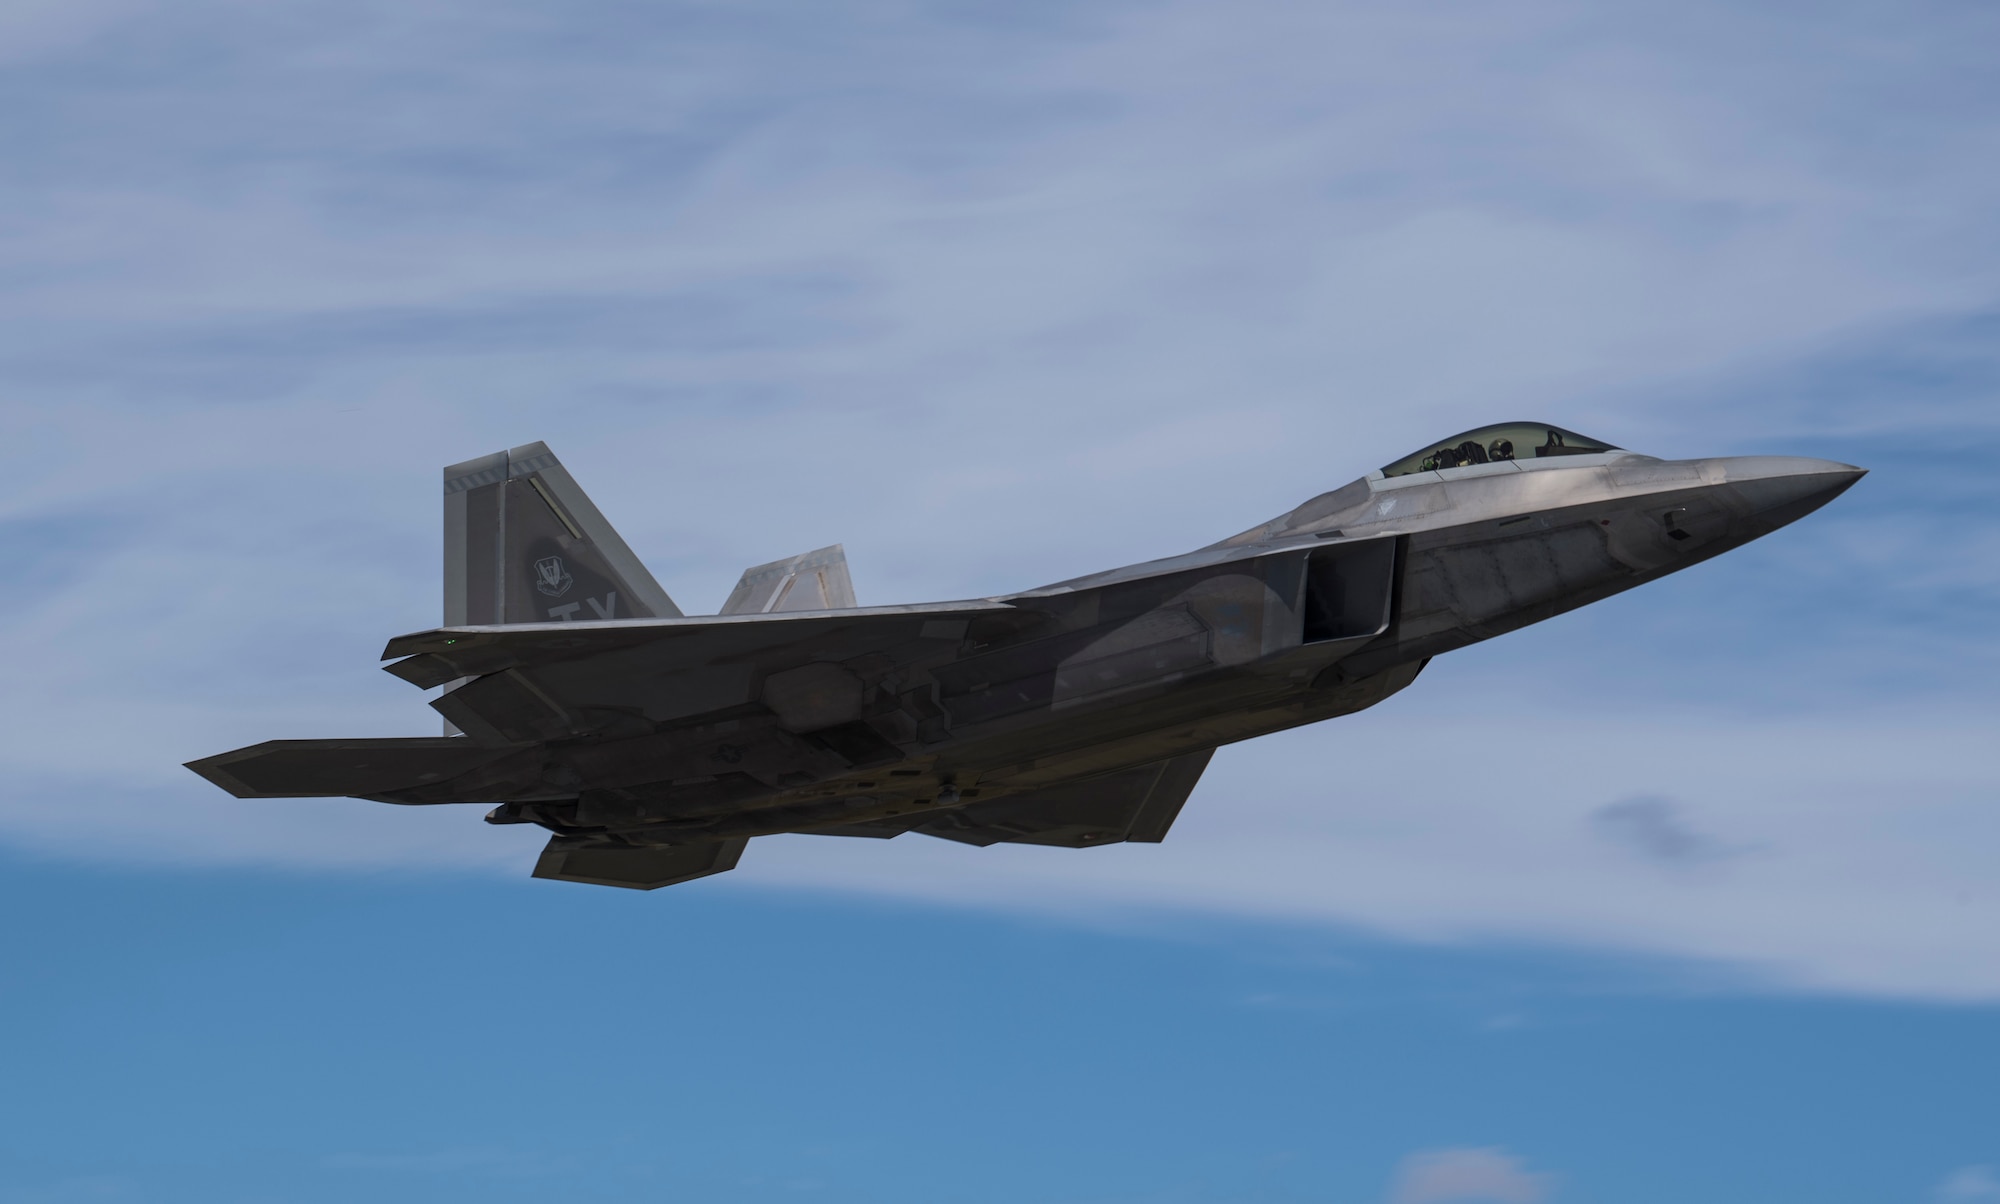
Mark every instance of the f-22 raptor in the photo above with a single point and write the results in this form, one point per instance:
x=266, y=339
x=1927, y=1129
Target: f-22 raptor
x=655, y=745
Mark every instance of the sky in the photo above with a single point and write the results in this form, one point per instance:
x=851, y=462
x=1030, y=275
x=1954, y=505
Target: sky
x=1686, y=895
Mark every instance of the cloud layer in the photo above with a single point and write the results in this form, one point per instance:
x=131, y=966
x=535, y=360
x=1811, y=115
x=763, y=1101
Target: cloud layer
x=999, y=301
x=1471, y=1175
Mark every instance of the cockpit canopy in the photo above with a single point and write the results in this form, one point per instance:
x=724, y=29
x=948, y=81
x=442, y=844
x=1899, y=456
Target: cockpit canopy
x=1508, y=441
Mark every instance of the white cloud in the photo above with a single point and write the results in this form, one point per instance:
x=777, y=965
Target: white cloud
x=31, y=29
x=1868, y=875
x=996, y=307
x=1968, y=1184
x=1468, y=1175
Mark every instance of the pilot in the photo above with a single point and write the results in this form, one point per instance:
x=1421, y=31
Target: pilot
x=1500, y=449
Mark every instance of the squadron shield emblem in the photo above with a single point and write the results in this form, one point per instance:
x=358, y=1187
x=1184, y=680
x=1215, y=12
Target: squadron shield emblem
x=551, y=577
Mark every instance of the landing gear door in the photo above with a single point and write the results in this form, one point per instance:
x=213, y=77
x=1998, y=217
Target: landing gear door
x=1349, y=589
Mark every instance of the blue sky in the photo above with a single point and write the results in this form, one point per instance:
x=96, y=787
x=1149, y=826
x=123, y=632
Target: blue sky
x=997, y=296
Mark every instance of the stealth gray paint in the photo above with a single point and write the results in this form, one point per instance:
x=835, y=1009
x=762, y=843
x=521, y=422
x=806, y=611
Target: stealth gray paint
x=1075, y=714
x=494, y=504
x=815, y=580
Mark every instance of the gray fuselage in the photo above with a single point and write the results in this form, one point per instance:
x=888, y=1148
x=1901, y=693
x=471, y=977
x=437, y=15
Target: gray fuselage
x=655, y=744
x=1170, y=657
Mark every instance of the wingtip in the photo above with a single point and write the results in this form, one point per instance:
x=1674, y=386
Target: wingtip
x=414, y=642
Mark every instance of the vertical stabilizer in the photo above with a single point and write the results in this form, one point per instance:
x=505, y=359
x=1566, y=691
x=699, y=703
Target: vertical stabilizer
x=809, y=581
x=524, y=544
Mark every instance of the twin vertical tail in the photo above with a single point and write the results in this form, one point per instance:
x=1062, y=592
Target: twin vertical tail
x=524, y=544
x=816, y=580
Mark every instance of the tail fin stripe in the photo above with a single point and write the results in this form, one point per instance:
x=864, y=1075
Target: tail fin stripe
x=561, y=516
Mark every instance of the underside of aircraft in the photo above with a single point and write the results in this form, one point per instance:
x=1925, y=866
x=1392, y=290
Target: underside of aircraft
x=655, y=745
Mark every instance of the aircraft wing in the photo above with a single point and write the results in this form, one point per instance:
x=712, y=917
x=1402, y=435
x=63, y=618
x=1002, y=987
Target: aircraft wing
x=550, y=681
x=1137, y=804
x=446, y=653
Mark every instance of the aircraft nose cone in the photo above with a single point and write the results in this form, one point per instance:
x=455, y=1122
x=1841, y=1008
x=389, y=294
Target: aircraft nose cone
x=1781, y=489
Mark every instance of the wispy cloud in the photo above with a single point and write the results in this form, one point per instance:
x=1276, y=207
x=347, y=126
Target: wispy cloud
x=1468, y=1175
x=1872, y=878
x=996, y=302
x=1657, y=829
x=1968, y=1184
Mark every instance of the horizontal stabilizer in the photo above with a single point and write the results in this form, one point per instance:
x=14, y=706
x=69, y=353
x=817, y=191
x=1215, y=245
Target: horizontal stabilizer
x=583, y=859
x=332, y=768
x=810, y=581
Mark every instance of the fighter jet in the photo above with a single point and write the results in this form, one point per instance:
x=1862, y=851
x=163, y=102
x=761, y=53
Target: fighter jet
x=655, y=745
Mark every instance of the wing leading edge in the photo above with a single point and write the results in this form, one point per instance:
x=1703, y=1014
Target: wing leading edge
x=583, y=691
x=511, y=716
